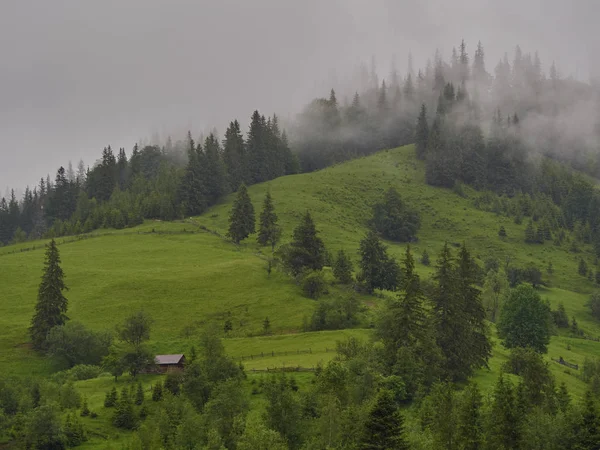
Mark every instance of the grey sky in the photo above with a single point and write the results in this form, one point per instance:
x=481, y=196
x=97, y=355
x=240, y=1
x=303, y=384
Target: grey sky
x=76, y=75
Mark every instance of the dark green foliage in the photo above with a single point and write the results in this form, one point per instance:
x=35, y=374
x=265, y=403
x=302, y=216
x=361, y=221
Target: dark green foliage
x=469, y=427
x=241, y=218
x=69, y=397
x=73, y=344
x=504, y=428
x=530, y=233
x=269, y=231
x=214, y=173
x=228, y=326
x=594, y=304
x=111, y=398
x=342, y=268
x=307, y=250
x=425, y=260
x=525, y=320
x=124, y=416
x=337, y=314
x=314, y=285
x=393, y=219
x=587, y=428
x=157, y=391
x=561, y=320
x=173, y=383
x=378, y=269
x=583, y=268
x=74, y=431
x=85, y=410
x=135, y=329
x=51, y=306
x=234, y=156
x=502, y=232
x=422, y=133
x=43, y=430
x=283, y=412
x=139, y=395
x=266, y=326
x=563, y=399
x=384, y=428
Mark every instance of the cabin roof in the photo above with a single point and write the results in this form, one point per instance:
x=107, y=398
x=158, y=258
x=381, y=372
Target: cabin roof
x=169, y=359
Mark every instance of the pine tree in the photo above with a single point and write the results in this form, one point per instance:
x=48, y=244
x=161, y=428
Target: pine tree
x=157, y=392
x=477, y=348
x=234, y=156
x=124, y=416
x=241, y=218
x=111, y=398
x=530, y=233
x=384, y=428
x=269, y=231
x=587, y=430
x=215, y=173
x=378, y=269
x=51, y=307
x=307, y=250
x=583, y=268
x=192, y=191
x=422, y=133
x=256, y=149
x=139, y=394
x=469, y=433
x=342, y=268
x=505, y=420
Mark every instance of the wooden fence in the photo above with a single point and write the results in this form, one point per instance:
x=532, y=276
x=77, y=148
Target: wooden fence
x=272, y=354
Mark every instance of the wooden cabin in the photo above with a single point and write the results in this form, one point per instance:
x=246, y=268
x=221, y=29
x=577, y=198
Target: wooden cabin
x=169, y=363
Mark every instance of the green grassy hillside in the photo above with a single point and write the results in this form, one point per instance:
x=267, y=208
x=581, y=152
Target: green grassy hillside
x=185, y=280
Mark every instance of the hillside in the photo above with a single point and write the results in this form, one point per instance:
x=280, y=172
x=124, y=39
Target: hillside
x=186, y=277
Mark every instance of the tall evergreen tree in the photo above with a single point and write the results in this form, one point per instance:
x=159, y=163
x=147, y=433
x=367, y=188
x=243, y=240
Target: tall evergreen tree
x=307, y=250
x=469, y=430
x=384, y=428
x=51, y=306
x=215, y=175
x=234, y=156
x=256, y=149
x=241, y=218
x=422, y=133
x=192, y=192
x=342, y=268
x=504, y=427
x=378, y=269
x=269, y=231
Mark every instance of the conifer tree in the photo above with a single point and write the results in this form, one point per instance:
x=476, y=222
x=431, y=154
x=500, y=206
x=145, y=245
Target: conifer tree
x=378, y=269
x=422, y=133
x=469, y=433
x=342, y=268
x=241, y=218
x=139, y=394
x=269, y=231
x=530, y=233
x=307, y=250
x=234, y=156
x=215, y=173
x=192, y=192
x=384, y=428
x=51, y=307
x=124, y=416
x=477, y=346
x=587, y=430
x=505, y=420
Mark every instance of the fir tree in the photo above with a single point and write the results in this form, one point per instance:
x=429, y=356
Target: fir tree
x=214, y=171
x=583, y=268
x=192, y=192
x=502, y=232
x=384, y=428
x=504, y=431
x=378, y=269
x=469, y=432
x=425, y=258
x=342, y=268
x=587, y=430
x=241, y=219
x=530, y=233
x=422, y=134
x=234, y=156
x=157, y=392
x=124, y=416
x=269, y=231
x=111, y=398
x=85, y=410
x=307, y=250
x=51, y=307
x=139, y=395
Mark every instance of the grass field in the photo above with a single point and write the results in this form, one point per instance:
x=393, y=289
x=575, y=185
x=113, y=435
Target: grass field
x=186, y=278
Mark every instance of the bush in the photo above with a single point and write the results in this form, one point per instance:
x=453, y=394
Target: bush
x=313, y=285
x=337, y=314
x=560, y=318
x=73, y=344
x=425, y=259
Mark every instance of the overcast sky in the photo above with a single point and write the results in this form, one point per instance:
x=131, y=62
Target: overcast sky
x=77, y=75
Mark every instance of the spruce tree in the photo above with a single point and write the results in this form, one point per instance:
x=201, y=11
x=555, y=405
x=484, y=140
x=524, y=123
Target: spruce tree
x=124, y=416
x=469, y=433
x=530, y=233
x=342, y=268
x=307, y=250
x=269, y=231
x=477, y=348
x=378, y=269
x=422, y=133
x=192, y=190
x=384, y=428
x=234, y=156
x=505, y=420
x=51, y=307
x=215, y=173
x=139, y=394
x=241, y=218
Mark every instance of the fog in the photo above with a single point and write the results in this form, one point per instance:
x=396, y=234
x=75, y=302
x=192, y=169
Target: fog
x=77, y=76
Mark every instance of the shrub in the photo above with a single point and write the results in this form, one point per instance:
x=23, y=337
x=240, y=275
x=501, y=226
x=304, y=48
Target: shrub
x=395, y=220
x=313, y=284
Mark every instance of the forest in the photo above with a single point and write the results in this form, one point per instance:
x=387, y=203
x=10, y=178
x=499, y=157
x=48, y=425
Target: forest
x=501, y=136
